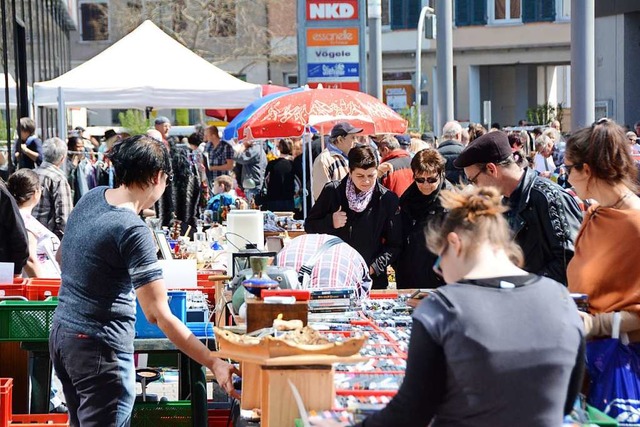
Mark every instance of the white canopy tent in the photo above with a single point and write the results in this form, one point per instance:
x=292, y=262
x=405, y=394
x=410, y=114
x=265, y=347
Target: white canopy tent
x=146, y=68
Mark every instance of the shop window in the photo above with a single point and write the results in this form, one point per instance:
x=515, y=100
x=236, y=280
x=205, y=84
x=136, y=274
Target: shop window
x=94, y=20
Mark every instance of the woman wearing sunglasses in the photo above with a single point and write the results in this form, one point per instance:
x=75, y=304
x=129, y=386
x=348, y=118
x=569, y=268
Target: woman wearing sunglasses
x=600, y=168
x=496, y=346
x=419, y=207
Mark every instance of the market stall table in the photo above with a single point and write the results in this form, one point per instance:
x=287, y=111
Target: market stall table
x=192, y=375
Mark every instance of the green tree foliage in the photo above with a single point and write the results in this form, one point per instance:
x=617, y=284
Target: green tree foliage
x=134, y=121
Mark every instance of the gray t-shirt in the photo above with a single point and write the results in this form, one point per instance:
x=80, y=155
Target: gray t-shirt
x=107, y=252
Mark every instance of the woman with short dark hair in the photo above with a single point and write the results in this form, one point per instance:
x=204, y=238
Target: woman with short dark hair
x=361, y=212
x=419, y=207
x=108, y=254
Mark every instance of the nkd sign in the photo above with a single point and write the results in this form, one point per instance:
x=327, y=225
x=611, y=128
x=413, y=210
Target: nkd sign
x=323, y=10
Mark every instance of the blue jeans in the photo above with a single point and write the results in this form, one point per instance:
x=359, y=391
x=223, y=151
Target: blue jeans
x=98, y=382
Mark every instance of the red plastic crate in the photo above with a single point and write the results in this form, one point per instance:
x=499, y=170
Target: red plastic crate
x=6, y=393
x=11, y=290
x=218, y=417
x=40, y=289
x=40, y=420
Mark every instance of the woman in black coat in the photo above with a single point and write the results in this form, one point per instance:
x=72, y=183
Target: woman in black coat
x=419, y=207
x=362, y=213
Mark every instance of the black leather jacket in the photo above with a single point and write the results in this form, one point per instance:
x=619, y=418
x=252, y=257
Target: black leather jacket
x=545, y=220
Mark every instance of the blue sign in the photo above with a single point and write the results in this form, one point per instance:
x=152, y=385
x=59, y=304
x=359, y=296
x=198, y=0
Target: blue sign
x=333, y=70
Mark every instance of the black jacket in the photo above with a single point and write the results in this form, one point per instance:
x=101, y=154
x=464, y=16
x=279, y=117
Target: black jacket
x=545, y=220
x=450, y=150
x=14, y=244
x=414, y=267
x=375, y=232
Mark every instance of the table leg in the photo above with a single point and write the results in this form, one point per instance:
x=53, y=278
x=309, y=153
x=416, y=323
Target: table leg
x=199, y=408
x=184, y=383
x=40, y=374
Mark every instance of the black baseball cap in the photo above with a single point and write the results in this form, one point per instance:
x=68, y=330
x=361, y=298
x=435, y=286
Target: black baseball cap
x=492, y=147
x=344, y=129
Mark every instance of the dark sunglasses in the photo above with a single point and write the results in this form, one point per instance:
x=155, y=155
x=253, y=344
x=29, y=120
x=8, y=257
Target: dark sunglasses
x=569, y=168
x=430, y=180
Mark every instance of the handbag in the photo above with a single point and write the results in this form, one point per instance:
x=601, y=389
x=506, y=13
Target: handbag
x=614, y=369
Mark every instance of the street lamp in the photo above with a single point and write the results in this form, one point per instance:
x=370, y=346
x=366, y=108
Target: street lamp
x=419, y=37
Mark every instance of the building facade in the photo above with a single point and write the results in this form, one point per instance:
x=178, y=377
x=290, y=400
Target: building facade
x=35, y=47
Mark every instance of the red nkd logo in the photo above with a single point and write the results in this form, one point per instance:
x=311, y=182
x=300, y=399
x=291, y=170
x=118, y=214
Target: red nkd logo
x=318, y=10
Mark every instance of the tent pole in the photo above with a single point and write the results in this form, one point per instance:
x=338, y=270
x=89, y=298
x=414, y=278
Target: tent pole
x=305, y=140
x=62, y=119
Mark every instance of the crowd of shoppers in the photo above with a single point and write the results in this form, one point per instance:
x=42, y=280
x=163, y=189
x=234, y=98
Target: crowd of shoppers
x=397, y=200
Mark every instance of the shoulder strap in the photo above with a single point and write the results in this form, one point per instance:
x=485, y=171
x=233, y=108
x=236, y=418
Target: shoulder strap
x=307, y=268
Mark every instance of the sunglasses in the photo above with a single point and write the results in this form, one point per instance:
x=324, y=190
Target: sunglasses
x=430, y=180
x=569, y=168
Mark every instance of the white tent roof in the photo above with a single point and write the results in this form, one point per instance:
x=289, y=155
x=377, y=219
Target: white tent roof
x=147, y=68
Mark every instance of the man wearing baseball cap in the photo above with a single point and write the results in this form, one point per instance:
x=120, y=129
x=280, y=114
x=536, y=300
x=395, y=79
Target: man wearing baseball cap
x=332, y=163
x=544, y=218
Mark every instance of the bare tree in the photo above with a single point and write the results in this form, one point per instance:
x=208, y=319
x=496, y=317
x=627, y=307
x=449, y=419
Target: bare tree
x=218, y=30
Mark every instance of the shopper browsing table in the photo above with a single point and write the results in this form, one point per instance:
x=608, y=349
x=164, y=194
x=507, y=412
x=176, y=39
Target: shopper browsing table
x=107, y=254
x=601, y=168
x=496, y=346
x=362, y=213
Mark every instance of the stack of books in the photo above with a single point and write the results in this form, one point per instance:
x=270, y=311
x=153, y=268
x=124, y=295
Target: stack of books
x=330, y=300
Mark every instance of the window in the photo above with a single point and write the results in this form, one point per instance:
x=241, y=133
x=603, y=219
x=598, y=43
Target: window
x=404, y=14
x=94, y=20
x=291, y=80
x=470, y=12
x=563, y=11
x=503, y=11
x=222, y=18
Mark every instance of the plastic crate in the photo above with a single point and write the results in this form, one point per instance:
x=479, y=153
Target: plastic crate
x=26, y=320
x=174, y=414
x=6, y=392
x=178, y=306
x=13, y=289
x=40, y=420
x=41, y=289
x=219, y=417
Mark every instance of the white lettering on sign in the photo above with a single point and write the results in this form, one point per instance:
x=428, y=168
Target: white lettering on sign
x=331, y=11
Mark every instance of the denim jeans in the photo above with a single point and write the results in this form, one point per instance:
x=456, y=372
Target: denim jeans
x=98, y=382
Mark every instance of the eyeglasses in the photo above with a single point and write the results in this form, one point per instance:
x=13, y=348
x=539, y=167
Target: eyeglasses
x=437, y=265
x=422, y=180
x=569, y=168
x=474, y=180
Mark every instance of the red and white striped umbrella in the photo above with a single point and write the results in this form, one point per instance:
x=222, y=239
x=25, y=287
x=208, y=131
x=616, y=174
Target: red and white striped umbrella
x=288, y=115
